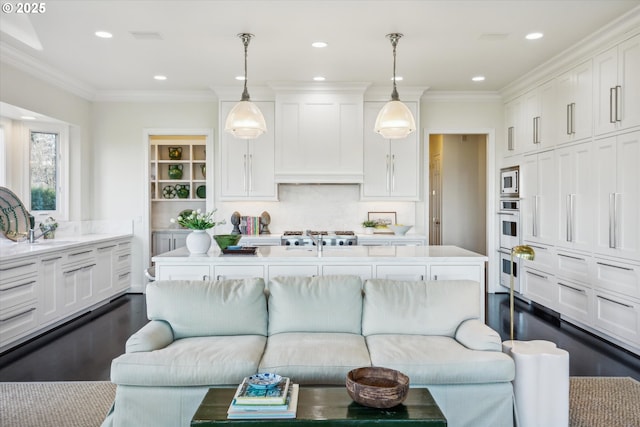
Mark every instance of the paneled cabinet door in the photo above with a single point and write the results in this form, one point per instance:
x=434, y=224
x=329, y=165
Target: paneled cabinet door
x=514, y=120
x=538, y=118
x=538, y=213
x=575, y=182
x=105, y=271
x=391, y=167
x=52, y=289
x=617, y=87
x=574, y=103
x=247, y=166
x=617, y=186
x=77, y=288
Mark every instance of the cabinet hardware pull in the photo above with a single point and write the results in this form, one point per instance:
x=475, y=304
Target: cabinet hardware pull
x=573, y=118
x=51, y=259
x=79, y=268
x=17, y=286
x=510, y=138
x=17, y=266
x=388, y=171
x=568, y=119
x=123, y=275
x=535, y=216
x=81, y=253
x=538, y=275
x=124, y=256
x=244, y=172
x=250, y=172
x=615, y=302
x=539, y=247
x=107, y=247
x=614, y=266
x=612, y=105
x=393, y=172
x=612, y=223
x=205, y=277
x=568, y=217
x=618, y=103
x=29, y=310
x=86, y=267
x=564, y=285
x=572, y=257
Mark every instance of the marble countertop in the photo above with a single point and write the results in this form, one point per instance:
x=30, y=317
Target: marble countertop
x=10, y=250
x=337, y=253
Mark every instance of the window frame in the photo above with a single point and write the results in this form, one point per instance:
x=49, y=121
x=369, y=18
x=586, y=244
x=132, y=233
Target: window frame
x=61, y=213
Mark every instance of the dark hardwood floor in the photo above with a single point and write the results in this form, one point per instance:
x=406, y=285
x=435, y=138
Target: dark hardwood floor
x=82, y=350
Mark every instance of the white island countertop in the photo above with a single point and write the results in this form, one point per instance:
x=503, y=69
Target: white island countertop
x=329, y=253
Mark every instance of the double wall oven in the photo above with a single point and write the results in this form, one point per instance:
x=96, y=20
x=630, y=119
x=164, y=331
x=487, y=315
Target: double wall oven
x=510, y=227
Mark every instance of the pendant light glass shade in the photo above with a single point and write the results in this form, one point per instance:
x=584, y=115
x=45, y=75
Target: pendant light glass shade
x=395, y=120
x=245, y=120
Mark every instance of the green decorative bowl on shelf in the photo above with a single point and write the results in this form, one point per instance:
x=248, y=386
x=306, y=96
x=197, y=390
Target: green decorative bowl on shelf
x=225, y=240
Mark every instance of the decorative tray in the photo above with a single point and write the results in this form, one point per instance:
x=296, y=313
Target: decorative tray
x=244, y=250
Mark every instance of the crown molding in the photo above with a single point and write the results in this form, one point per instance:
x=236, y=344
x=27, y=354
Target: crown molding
x=462, y=96
x=605, y=38
x=40, y=70
x=155, y=96
x=319, y=87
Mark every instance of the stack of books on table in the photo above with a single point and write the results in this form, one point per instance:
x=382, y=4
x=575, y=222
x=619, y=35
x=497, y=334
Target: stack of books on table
x=280, y=401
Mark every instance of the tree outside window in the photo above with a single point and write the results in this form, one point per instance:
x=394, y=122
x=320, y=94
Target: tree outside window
x=43, y=171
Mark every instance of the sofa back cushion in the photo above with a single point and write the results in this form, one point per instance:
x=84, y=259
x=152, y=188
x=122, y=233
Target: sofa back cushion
x=198, y=308
x=418, y=308
x=315, y=304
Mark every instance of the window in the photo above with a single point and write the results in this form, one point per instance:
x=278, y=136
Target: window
x=47, y=183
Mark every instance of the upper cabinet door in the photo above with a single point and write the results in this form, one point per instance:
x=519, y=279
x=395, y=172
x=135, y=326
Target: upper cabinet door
x=391, y=167
x=247, y=166
x=575, y=103
x=319, y=138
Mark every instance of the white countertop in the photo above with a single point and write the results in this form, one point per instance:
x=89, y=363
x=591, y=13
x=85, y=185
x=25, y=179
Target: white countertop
x=338, y=253
x=10, y=250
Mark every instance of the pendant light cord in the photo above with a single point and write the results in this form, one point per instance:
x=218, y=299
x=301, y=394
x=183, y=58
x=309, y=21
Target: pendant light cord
x=394, y=37
x=246, y=38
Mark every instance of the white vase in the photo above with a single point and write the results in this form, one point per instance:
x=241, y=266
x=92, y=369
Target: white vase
x=198, y=242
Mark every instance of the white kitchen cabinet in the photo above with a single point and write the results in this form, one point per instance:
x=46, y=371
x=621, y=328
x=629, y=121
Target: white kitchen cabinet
x=514, y=125
x=319, y=137
x=363, y=271
x=247, y=166
x=401, y=272
x=122, y=272
x=165, y=241
x=18, y=321
x=617, y=187
x=52, y=289
x=106, y=259
x=617, y=316
x=224, y=272
x=391, y=167
x=183, y=272
x=538, y=122
x=619, y=277
x=575, y=204
x=539, y=189
x=574, y=116
x=19, y=311
x=617, y=87
x=292, y=270
x=456, y=272
x=574, y=300
x=540, y=287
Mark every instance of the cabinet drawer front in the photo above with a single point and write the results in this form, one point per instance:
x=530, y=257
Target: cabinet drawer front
x=364, y=271
x=183, y=272
x=79, y=256
x=456, y=272
x=123, y=262
x=10, y=270
x=291, y=270
x=544, y=260
x=18, y=292
x=573, y=266
x=618, y=277
x=224, y=272
x=123, y=280
x=17, y=322
x=617, y=316
x=124, y=247
x=540, y=287
x=573, y=300
x=401, y=272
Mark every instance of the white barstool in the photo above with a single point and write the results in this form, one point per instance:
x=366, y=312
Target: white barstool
x=541, y=384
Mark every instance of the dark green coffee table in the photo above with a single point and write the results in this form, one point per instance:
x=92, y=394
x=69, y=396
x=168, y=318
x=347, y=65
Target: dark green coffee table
x=327, y=406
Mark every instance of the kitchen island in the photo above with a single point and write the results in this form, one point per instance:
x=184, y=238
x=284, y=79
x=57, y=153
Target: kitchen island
x=384, y=262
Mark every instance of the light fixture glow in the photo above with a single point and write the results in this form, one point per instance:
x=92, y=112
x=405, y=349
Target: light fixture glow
x=245, y=120
x=397, y=78
x=103, y=34
x=478, y=78
x=534, y=36
x=319, y=44
x=319, y=78
x=395, y=120
x=160, y=77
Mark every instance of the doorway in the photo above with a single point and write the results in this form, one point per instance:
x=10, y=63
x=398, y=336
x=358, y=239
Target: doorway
x=458, y=191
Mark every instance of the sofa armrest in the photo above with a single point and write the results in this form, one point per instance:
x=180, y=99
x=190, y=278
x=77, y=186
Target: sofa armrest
x=475, y=335
x=154, y=335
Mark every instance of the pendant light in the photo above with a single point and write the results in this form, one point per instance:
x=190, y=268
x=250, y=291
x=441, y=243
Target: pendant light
x=395, y=120
x=245, y=120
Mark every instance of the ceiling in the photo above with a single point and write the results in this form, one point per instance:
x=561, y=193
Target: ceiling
x=194, y=43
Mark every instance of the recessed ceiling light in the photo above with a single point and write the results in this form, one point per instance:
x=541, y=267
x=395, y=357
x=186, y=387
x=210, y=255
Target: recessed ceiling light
x=534, y=36
x=27, y=118
x=103, y=34
x=319, y=44
x=241, y=78
x=319, y=78
x=477, y=78
x=160, y=77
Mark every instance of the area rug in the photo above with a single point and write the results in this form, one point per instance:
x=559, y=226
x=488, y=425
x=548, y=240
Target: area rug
x=593, y=402
x=61, y=404
x=604, y=402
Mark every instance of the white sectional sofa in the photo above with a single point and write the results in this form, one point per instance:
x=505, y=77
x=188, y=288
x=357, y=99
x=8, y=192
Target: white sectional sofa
x=314, y=330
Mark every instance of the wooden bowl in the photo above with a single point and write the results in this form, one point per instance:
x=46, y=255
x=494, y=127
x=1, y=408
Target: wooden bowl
x=377, y=387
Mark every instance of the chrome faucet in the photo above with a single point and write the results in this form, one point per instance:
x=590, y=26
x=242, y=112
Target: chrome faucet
x=32, y=233
x=317, y=240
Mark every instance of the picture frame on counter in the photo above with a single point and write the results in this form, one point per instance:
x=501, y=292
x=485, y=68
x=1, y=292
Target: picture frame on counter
x=384, y=219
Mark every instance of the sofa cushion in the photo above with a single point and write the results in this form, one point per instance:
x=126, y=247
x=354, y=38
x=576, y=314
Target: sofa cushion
x=439, y=360
x=315, y=304
x=315, y=358
x=422, y=308
x=192, y=362
x=198, y=308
